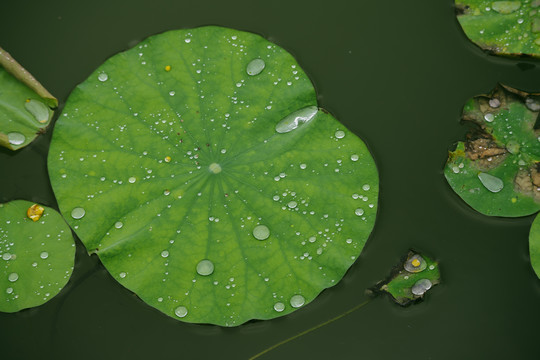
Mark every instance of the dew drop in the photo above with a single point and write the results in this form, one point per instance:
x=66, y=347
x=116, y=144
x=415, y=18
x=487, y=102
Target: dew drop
x=354, y=157
x=312, y=239
x=415, y=264
x=492, y=183
x=39, y=110
x=118, y=225
x=44, y=255
x=297, y=301
x=421, y=286
x=359, y=212
x=13, y=277
x=132, y=180
x=489, y=117
x=296, y=119
x=9, y=290
x=279, y=306
x=164, y=254
x=261, y=232
x=494, y=102
x=181, y=311
x=255, y=67
x=205, y=267
x=532, y=104
x=340, y=134
x=103, y=77
x=16, y=138
x=122, y=275
x=171, y=93
x=78, y=213
x=366, y=187
x=6, y=256
x=292, y=204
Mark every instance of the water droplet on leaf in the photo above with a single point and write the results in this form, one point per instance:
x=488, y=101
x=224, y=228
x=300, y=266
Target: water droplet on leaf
x=44, y=255
x=78, y=213
x=261, y=232
x=279, y=306
x=103, y=77
x=421, y=286
x=39, y=110
x=297, y=301
x=13, y=277
x=205, y=267
x=181, y=311
x=16, y=138
x=492, y=183
x=296, y=119
x=415, y=264
x=255, y=67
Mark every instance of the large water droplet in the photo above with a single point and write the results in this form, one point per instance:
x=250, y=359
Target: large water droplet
x=118, y=224
x=296, y=119
x=6, y=256
x=292, y=204
x=421, y=286
x=205, y=267
x=13, y=277
x=492, y=183
x=181, y=311
x=489, y=117
x=132, y=179
x=255, y=67
x=359, y=212
x=261, y=232
x=9, y=290
x=103, y=77
x=78, y=213
x=340, y=134
x=39, y=110
x=415, y=264
x=215, y=168
x=16, y=138
x=297, y=301
x=506, y=7
x=44, y=255
x=279, y=306
x=164, y=253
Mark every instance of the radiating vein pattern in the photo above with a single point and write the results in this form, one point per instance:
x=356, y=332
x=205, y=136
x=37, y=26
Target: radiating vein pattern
x=167, y=163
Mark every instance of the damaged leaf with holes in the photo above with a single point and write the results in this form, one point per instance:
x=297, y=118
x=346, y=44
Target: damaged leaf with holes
x=37, y=252
x=411, y=279
x=502, y=27
x=497, y=169
x=200, y=170
x=25, y=105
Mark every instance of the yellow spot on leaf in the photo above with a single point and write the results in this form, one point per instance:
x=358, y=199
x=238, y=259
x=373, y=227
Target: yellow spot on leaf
x=167, y=158
x=168, y=68
x=514, y=200
x=34, y=212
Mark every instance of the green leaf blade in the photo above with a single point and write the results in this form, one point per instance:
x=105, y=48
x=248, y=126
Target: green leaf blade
x=168, y=180
x=40, y=254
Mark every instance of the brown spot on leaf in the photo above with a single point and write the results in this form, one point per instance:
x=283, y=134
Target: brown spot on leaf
x=527, y=181
x=485, y=153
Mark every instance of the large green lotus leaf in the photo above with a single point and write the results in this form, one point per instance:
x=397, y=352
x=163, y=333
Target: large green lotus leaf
x=36, y=255
x=534, y=245
x=502, y=27
x=199, y=169
x=497, y=170
x=25, y=106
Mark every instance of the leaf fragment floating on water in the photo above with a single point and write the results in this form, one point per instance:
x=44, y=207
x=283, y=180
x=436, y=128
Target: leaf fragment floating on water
x=26, y=107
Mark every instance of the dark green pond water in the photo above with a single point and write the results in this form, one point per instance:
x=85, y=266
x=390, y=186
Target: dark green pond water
x=397, y=74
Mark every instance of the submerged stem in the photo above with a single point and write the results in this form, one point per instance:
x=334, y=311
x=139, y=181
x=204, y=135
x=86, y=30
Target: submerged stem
x=309, y=330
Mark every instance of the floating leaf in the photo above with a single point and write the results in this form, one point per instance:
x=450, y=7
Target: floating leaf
x=497, y=170
x=36, y=256
x=534, y=245
x=502, y=27
x=208, y=182
x=25, y=105
x=411, y=279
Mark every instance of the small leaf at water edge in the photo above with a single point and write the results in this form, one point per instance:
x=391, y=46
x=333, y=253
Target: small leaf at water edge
x=36, y=255
x=199, y=168
x=502, y=27
x=534, y=245
x=25, y=105
x=411, y=279
x=497, y=170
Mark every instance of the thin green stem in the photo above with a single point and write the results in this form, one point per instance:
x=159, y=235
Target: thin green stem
x=309, y=330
